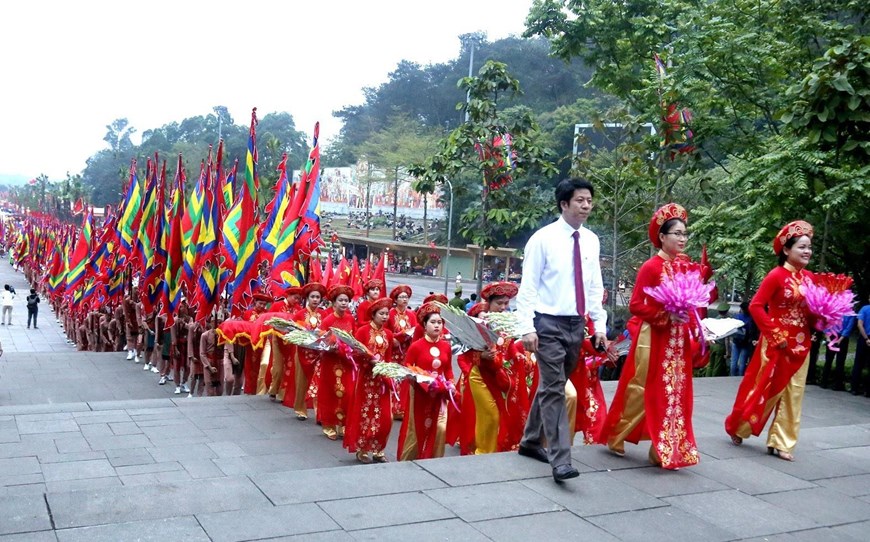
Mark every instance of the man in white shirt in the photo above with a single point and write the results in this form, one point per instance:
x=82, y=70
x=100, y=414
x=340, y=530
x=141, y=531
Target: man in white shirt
x=550, y=310
x=6, y=300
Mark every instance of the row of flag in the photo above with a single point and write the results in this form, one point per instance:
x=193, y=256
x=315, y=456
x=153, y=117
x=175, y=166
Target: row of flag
x=175, y=245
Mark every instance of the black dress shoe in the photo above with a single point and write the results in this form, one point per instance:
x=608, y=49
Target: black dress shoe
x=535, y=453
x=564, y=472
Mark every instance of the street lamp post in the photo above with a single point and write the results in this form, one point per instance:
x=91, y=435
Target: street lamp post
x=471, y=41
x=449, y=235
x=219, y=110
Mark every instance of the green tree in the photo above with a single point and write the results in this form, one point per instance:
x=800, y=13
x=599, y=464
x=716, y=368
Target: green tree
x=478, y=165
x=393, y=149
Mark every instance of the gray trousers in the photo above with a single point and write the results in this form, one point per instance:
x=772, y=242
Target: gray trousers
x=559, y=342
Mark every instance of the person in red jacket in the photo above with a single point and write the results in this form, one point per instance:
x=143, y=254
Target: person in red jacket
x=424, y=428
x=370, y=419
x=654, y=399
x=251, y=361
x=372, y=289
x=776, y=376
x=403, y=323
x=298, y=375
x=335, y=385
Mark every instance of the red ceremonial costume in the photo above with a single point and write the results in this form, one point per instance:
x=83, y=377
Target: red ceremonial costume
x=370, y=418
x=776, y=376
x=497, y=387
x=363, y=310
x=424, y=427
x=653, y=400
x=335, y=385
x=300, y=386
x=252, y=355
x=403, y=324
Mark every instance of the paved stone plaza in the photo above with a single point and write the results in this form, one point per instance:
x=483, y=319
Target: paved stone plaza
x=92, y=449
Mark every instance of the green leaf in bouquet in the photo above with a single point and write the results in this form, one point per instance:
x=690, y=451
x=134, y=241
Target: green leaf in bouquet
x=351, y=341
x=465, y=329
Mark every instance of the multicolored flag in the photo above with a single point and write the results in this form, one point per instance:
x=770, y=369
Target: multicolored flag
x=191, y=221
x=207, y=250
x=240, y=229
x=174, y=250
x=130, y=214
x=275, y=211
x=287, y=254
x=78, y=263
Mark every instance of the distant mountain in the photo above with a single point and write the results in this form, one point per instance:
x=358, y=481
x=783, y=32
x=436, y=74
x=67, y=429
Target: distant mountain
x=13, y=180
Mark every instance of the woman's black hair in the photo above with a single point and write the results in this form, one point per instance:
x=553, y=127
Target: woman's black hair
x=494, y=297
x=666, y=227
x=788, y=244
x=428, y=316
x=566, y=188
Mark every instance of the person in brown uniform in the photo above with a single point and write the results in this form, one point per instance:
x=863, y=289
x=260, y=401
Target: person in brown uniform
x=194, y=357
x=212, y=356
x=133, y=319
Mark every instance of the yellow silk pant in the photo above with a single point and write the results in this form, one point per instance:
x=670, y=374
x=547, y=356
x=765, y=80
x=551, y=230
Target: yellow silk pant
x=571, y=407
x=783, y=433
x=486, y=414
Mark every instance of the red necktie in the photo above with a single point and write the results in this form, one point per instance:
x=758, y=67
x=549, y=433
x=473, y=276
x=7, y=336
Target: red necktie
x=579, y=296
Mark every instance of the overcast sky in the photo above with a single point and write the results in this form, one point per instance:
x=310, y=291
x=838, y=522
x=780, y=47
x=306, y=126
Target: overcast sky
x=71, y=67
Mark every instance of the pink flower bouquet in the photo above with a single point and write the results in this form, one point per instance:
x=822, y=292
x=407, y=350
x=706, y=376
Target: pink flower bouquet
x=683, y=290
x=829, y=298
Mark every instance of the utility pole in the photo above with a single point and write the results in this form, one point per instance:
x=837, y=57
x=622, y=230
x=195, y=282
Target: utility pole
x=470, y=41
x=395, y=201
x=368, y=191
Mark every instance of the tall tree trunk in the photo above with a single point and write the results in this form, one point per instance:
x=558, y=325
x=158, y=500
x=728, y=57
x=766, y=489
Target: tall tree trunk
x=425, y=218
x=480, y=257
x=825, y=228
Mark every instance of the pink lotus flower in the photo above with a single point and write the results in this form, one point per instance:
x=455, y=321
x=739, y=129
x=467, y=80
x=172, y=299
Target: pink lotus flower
x=682, y=291
x=829, y=299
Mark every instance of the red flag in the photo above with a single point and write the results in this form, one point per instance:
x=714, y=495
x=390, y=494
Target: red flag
x=315, y=272
x=78, y=207
x=380, y=273
x=328, y=276
x=342, y=274
x=355, y=281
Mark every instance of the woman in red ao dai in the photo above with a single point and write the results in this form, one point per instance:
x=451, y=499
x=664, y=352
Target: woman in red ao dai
x=370, y=418
x=298, y=388
x=335, y=382
x=424, y=427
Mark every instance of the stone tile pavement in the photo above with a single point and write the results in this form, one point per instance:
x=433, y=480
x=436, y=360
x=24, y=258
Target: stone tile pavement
x=91, y=449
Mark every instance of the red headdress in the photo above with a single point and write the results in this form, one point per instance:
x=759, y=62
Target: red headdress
x=400, y=289
x=337, y=290
x=372, y=283
x=313, y=287
x=382, y=303
x=483, y=306
x=441, y=298
x=426, y=310
x=259, y=296
x=495, y=289
x=797, y=228
x=293, y=290
x=665, y=213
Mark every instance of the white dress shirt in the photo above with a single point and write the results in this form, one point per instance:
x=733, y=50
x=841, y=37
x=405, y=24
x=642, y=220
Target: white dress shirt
x=548, y=276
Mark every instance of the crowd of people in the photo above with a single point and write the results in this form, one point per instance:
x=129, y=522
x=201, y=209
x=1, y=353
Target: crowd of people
x=530, y=390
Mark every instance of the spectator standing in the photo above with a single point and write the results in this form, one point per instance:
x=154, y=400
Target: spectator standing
x=472, y=301
x=6, y=298
x=838, y=382
x=457, y=300
x=743, y=341
x=32, y=308
x=718, y=365
x=862, y=350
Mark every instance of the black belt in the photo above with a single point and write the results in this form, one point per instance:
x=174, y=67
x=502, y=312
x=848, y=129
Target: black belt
x=562, y=318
